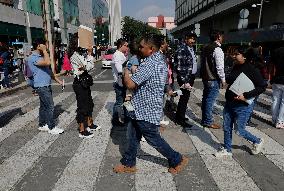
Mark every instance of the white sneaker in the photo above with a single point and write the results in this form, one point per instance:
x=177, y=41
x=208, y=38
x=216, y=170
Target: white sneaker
x=56, y=131
x=223, y=153
x=44, y=128
x=256, y=148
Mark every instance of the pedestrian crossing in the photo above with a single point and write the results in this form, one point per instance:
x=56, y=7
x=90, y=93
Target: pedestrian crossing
x=67, y=162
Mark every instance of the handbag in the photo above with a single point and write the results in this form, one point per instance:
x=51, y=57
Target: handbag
x=86, y=80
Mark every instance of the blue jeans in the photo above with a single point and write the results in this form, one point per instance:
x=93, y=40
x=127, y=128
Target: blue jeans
x=120, y=93
x=278, y=103
x=46, y=108
x=152, y=135
x=6, y=80
x=238, y=114
x=210, y=93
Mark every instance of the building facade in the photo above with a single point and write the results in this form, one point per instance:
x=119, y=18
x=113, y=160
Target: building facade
x=28, y=23
x=240, y=20
x=114, y=7
x=162, y=22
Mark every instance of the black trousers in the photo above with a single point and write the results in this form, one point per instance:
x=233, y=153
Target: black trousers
x=84, y=99
x=183, y=100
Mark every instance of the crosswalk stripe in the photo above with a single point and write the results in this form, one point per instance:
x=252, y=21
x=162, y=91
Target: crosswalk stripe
x=10, y=97
x=21, y=121
x=150, y=175
x=261, y=114
x=271, y=147
x=228, y=174
x=18, y=104
x=82, y=171
x=12, y=169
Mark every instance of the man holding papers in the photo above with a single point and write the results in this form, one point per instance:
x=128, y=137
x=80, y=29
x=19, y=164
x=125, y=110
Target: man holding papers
x=244, y=83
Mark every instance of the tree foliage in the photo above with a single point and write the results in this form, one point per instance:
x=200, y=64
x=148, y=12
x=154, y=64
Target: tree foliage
x=134, y=29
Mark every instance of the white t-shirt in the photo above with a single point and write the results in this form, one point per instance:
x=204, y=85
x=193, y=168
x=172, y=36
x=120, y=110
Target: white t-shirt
x=78, y=61
x=117, y=60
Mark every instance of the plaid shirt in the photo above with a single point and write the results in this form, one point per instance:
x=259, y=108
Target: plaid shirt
x=184, y=63
x=148, y=97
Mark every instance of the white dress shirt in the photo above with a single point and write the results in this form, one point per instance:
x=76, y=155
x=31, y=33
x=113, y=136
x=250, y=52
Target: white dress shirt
x=218, y=55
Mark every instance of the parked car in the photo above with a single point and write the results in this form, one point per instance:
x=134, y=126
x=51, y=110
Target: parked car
x=107, y=57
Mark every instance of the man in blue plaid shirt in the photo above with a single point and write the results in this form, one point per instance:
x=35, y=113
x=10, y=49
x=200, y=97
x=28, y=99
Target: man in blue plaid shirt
x=148, y=84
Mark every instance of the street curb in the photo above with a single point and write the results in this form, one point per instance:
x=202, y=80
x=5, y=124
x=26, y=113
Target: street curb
x=13, y=90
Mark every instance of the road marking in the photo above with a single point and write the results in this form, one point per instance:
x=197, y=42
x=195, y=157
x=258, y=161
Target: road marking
x=150, y=175
x=271, y=147
x=12, y=169
x=10, y=97
x=95, y=77
x=227, y=173
x=21, y=121
x=82, y=170
x=18, y=105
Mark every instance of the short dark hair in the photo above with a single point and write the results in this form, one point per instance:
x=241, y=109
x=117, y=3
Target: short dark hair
x=37, y=42
x=134, y=48
x=120, y=42
x=189, y=35
x=154, y=39
x=214, y=34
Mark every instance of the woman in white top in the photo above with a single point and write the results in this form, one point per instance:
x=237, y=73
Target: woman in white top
x=82, y=62
x=120, y=91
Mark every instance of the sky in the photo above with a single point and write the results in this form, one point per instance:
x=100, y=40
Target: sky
x=142, y=9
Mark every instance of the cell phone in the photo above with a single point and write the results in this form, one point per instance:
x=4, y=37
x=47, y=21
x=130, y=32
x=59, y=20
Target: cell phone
x=63, y=85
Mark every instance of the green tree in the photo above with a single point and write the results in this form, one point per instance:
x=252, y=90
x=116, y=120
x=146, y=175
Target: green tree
x=134, y=29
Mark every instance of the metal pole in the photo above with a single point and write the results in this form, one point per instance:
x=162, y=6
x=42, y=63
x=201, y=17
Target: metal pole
x=49, y=35
x=260, y=14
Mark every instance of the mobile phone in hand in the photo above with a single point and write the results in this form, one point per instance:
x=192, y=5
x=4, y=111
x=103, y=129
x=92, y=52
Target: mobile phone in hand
x=63, y=85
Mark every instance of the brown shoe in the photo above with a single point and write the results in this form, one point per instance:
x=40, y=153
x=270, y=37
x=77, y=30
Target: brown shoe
x=162, y=128
x=124, y=169
x=213, y=126
x=180, y=166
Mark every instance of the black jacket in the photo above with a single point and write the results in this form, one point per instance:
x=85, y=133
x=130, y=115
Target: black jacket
x=253, y=74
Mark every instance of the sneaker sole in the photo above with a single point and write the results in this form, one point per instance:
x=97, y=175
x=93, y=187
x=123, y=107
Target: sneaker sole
x=98, y=128
x=86, y=137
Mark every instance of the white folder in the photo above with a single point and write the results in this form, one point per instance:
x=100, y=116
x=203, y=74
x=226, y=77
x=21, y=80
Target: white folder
x=242, y=84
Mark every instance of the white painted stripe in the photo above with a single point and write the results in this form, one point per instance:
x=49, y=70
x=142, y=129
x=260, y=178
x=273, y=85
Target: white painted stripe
x=228, y=173
x=266, y=116
x=95, y=82
x=95, y=77
x=82, y=171
x=10, y=97
x=150, y=175
x=12, y=169
x=271, y=147
x=21, y=121
x=19, y=104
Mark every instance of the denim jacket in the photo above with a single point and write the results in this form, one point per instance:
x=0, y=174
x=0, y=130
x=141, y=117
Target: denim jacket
x=184, y=63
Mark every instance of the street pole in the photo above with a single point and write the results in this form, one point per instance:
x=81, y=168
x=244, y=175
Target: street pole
x=260, y=14
x=48, y=35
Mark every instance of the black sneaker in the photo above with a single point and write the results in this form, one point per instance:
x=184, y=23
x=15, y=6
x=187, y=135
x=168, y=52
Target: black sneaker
x=86, y=134
x=93, y=127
